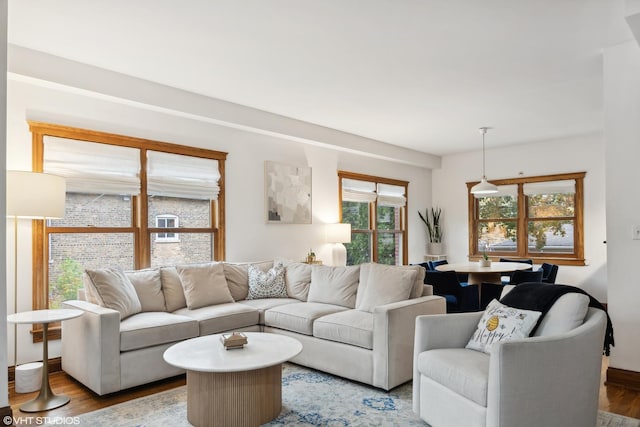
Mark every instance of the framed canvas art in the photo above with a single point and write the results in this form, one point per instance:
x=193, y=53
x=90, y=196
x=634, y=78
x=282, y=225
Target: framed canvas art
x=287, y=193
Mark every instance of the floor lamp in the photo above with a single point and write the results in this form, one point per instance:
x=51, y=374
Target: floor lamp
x=339, y=234
x=31, y=195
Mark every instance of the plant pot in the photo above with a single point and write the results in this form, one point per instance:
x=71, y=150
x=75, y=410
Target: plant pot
x=485, y=263
x=435, y=248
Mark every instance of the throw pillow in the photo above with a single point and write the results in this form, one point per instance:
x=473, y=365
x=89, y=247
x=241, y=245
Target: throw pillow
x=567, y=313
x=268, y=284
x=238, y=277
x=172, y=289
x=148, y=288
x=297, y=277
x=114, y=290
x=204, y=284
x=334, y=285
x=501, y=323
x=383, y=284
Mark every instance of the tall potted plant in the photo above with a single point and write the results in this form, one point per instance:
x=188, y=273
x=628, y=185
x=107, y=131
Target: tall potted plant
x=432, y=221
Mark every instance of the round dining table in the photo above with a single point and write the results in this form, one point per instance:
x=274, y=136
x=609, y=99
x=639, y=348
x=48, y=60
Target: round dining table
x=478, y=274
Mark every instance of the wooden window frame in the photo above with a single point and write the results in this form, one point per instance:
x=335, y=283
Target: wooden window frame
x=373, y=210
x=576, y=258
x=140, y=228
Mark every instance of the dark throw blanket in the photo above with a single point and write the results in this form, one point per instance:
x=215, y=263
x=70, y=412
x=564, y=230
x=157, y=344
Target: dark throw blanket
x=541, y=296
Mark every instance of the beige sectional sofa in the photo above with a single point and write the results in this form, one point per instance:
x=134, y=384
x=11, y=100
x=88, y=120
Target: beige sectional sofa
x=357, y=322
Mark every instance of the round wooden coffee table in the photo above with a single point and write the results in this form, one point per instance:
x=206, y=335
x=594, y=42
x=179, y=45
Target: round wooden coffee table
x=240, y=387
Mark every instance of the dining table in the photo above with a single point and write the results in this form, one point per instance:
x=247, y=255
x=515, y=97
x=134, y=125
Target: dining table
x=479, y=274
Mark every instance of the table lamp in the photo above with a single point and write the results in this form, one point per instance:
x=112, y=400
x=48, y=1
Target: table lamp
x=339, y=234
x=31, y=195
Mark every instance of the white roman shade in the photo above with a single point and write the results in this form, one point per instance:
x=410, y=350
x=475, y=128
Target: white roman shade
x=91, y=167
x=567, y=186
x=391, y=195
x=358, y=191
x=188, y=177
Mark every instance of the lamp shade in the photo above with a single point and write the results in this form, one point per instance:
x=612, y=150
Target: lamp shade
x=484, y=187
x=339, y=233
x=35, y=195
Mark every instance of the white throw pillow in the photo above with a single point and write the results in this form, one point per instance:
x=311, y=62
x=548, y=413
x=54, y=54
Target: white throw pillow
x=567, y=313
x=238, y=277
x=297, y=277
x=148, y=288
x=268, y=284
x=383, y=284
x=334, y=285
x=114, y=290
x=172, y=289
x=501, y=323
x=204, y=284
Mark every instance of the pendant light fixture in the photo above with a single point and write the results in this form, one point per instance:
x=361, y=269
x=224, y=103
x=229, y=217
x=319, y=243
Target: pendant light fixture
x=484, y=187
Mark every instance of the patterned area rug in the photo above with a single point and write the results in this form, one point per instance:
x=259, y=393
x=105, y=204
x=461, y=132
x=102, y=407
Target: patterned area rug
x=310, y=398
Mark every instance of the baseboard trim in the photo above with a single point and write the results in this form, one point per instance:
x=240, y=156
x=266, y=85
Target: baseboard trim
x=6, y=412
x=55, y=365
x=623, y=378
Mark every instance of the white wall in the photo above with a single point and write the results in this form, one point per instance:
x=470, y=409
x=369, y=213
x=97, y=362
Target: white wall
x=622, y=135
x=249, y=238
x=577, y=154
x=4, y=384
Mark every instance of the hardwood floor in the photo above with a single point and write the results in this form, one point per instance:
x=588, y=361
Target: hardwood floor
x=612, y=398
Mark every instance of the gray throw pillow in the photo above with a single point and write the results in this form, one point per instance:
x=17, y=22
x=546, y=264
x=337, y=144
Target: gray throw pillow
x=114, y=290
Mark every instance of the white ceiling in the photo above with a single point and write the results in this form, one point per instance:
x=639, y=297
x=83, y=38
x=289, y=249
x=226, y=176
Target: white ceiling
x=422, y=74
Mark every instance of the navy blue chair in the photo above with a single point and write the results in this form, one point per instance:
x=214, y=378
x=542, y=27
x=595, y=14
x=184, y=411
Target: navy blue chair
x=524, y=261
x=522, y=276
x=549, y=272
x=459, y=298
x=434, y=264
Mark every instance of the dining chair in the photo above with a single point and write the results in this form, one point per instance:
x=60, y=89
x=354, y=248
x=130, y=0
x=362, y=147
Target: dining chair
x=434, y=264
x=459, y=298
x=522, y=276
x=506, y=281
x=549, y=272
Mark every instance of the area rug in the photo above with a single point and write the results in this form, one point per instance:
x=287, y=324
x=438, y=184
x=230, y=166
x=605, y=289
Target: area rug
x=309, y=398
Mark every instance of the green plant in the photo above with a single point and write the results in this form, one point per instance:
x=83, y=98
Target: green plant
x=485, y=256
x=431, y=220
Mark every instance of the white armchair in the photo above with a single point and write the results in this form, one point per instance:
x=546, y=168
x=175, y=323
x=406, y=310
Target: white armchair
x=548, y=381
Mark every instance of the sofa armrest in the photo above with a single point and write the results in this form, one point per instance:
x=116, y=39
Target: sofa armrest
x=393, y=335
x=91, y=346
x=427, y=290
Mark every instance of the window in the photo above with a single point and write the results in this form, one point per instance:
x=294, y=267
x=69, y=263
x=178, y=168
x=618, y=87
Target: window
x=119, y=192
x=167, y=221
x=537, y=217
x=376, y=209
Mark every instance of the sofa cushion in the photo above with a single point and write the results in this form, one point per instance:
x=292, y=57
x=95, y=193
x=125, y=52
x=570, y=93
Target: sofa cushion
x=222, y=317
x=153, y=328
x=352, y=327
x=463, y=371
x=113, y=289
x=264, y=304
x=298, y=317
x=148, y=286
x=383, y=284
x=297, y=277
x=204, y=284
x=501, y=323
x=238, y=277
x=268, y=284
x=567, y=313
x=172, y=289
x=334, y=285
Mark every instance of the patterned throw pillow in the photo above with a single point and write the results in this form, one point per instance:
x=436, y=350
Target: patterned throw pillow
x=268, y=284
x=501, y=323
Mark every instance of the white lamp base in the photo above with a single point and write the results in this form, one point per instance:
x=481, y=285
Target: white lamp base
x=338, y=255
